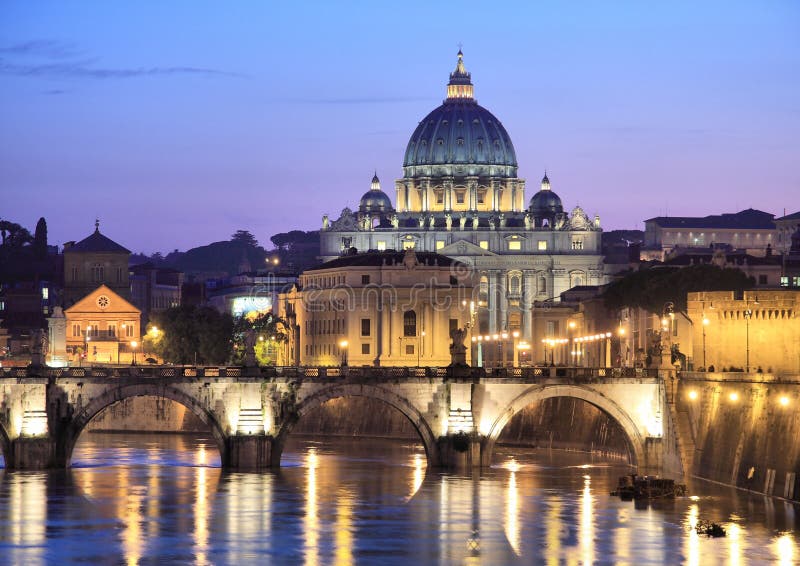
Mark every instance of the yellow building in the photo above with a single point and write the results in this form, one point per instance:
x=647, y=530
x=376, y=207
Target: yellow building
x=757, y=331
x=103, y=327
x=95, y=260
x=381, y=308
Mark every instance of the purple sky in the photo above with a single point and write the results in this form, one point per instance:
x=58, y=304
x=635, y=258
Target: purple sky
x=178, y=123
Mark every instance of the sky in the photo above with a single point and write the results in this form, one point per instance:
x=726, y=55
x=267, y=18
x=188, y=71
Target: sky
x=178, y=123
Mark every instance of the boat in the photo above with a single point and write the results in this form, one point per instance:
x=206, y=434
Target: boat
x=633, y=486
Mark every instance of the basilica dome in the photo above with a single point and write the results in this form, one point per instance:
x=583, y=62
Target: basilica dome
x=460, y=137
x=545, y=203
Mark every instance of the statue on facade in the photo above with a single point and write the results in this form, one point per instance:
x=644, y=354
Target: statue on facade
x=491, y=222
x=431, y=221
x=421, y=221
x=395, y=221
x=528, y=221
x=458, y=352
x=502, y=220
x=462, y=220
x=448, y=220
x=474, y=221
x=326, y=224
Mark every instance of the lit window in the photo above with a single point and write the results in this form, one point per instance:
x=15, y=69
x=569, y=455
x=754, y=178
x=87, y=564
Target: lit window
x=439, y=244
x=381, y=245
x=45, y=293
x=484, y=244
x=542, y=245
x=408, y=245
x=514, y=245
x=2, y=305
x=577, y=243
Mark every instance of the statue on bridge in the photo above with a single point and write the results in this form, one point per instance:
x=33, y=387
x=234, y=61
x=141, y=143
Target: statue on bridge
x=458, y=352
x=250, y=348
x=39, y=346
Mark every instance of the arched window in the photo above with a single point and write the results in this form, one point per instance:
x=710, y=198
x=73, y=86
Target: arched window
x=542, y=286
x=409, y=323
x=98, y=274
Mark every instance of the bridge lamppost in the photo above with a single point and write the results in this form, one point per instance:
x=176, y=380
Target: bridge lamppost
x=705, y=323
x=343, y=347
x=134, y=343
x=747, y=314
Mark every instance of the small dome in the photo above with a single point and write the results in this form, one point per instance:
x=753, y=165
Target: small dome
x=375, y=200
x=545, y=203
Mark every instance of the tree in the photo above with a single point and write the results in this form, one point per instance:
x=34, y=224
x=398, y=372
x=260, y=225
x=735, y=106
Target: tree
x=13, y=234
x=651, y=288
x=272, y=332
x=193, y=333
x=40, y=240
x=246, y=237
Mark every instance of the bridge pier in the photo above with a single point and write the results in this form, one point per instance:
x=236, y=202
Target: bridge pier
x=460, y=451
x=247, y=452
x=38, y=453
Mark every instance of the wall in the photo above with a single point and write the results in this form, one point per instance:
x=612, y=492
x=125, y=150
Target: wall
x=147, y=414
x=746, y=429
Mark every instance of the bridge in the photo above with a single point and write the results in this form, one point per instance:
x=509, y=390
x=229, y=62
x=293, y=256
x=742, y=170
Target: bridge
x=458, y=413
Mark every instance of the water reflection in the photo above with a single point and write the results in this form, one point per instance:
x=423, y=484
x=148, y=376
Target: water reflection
x=143, y=499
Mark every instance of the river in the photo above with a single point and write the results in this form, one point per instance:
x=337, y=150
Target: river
x=158, y=498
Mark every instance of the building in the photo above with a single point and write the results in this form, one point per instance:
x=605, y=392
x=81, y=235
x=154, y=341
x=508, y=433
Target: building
x=765, y=270
x=752, y=231
x=460, y=196
x=756, y=331
x=155, y=289
x=248, y=292
x=94, y=261
x=102, y=327
x=786, y=226
x=380, y=308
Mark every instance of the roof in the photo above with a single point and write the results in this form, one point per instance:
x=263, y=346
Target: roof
x=389, y=257
x=793, y=216
x=746, y=219
x=97, y=243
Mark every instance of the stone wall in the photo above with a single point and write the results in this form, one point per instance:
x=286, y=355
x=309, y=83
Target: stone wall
x=147, y=414
x=746, y=430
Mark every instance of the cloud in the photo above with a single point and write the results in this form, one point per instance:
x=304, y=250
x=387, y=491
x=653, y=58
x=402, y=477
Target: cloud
x=60, y=59
x=54, y=92
x=46, y=48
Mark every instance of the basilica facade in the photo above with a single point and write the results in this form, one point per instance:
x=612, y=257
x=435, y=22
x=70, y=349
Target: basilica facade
x=460, y=196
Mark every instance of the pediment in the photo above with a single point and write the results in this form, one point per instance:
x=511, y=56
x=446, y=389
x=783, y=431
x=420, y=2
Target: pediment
x=463, y=248
x=102, y=300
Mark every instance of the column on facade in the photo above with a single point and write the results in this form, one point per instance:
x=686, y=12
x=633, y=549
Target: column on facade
x=472, y=192
x=528, y=294
x=448, y=194
x=495, y=195
x=492, y=300
x=503, y=301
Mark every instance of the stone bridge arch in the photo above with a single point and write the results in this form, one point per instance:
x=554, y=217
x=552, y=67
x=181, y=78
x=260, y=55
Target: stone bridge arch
x=320, y=397
x=76, y=426
x=591, y=396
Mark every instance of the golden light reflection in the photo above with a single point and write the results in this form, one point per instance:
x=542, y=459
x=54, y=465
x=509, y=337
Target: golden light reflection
x=693, y=540
x=28, y=517
x=344, y=528
x=784, y=549
x=201, y=516
x=418, y=475
x=622, y=537
x=553, y=526
x=201, y=458
x=587, y=522
x=513, y=529
x=733, y=533
x=311, y=520
x=129, y=511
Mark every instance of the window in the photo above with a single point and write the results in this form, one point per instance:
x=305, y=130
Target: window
x=459, y=197
x=484, y=244
x=439, y=244
x=128, y=330
x=409, y=244
x=409, y=323
x=98, y=273
x=365, y=327
x=542, y=245
x=453, y=280
x=762, y=279
x=514, y=245
x=439, y=197
x=577, y=243
x=45, y=293
x=76, y=330
x=119, y=275
x=365, y=349
x=381, y=244
x=112, y=330
x=2, y=305
x=542, y=286
x=365, y=279
x=409, y=349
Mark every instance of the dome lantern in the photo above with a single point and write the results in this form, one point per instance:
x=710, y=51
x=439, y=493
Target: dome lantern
x=460, y=85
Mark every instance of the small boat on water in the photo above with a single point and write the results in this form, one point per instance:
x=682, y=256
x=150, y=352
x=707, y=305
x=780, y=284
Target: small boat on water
x=633, y=486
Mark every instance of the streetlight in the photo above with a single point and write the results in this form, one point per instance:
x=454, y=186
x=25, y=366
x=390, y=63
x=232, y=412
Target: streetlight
x=705, y=323
x=134, y=343
x=747, y=314
x=343, y=346
x=515, y=355
x=420, y=343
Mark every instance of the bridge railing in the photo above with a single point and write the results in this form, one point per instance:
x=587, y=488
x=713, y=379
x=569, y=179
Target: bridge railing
x=344, y=372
